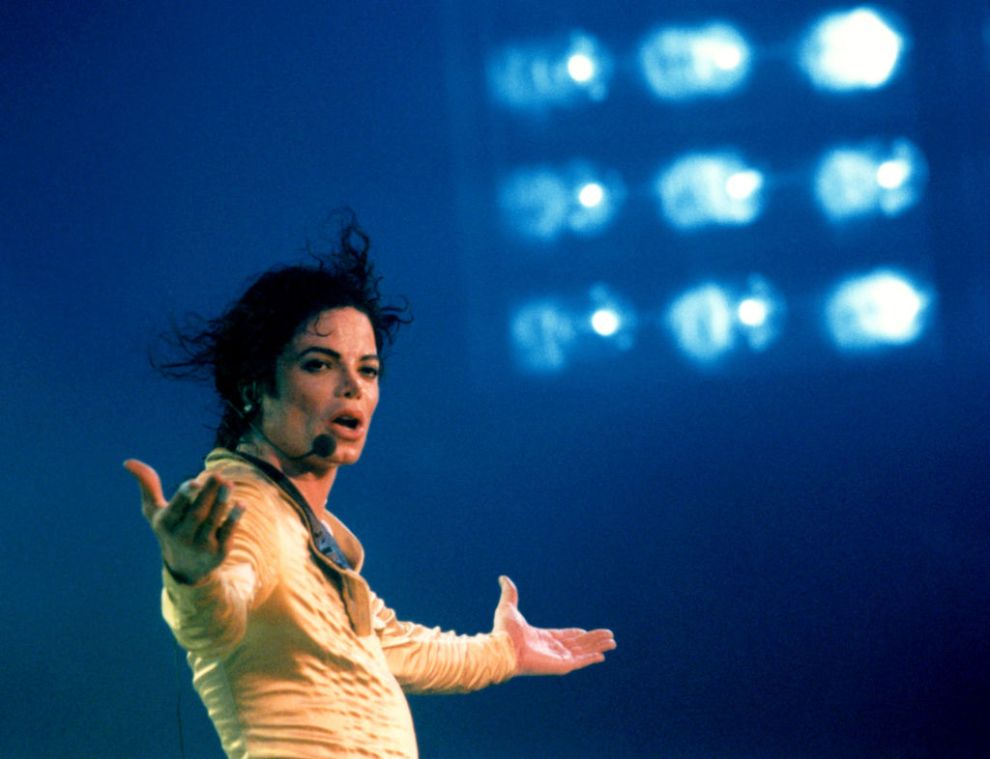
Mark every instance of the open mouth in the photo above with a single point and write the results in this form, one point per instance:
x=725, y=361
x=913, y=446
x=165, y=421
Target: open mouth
x=347, y=421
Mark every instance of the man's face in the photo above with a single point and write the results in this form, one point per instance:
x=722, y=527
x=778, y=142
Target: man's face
x=326, y=382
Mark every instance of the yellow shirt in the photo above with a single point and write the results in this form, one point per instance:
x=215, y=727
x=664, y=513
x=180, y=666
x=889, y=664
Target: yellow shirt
x=291, y=663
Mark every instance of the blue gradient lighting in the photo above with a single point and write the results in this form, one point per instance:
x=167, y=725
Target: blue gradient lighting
x=542, y=334
x=702, y=323
x=852, y=50
x=883, y=308
x=564, y=73
x=869, y=180
x=682, y=63
x=710, y=188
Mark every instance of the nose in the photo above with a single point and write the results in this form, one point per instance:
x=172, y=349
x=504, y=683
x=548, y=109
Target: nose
x=348, y=385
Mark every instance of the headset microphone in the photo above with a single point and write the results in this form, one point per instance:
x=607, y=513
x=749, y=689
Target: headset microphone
x=324, y=446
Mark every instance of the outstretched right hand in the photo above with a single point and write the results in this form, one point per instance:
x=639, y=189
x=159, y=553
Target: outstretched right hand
x=194, y=528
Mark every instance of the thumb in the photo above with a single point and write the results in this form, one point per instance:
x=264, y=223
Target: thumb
x=150, y=484
x=510, y=595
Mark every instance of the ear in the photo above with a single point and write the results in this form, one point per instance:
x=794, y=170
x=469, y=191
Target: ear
x=250, y=397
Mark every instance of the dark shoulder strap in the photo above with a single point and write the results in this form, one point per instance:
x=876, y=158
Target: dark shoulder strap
x=324, y=540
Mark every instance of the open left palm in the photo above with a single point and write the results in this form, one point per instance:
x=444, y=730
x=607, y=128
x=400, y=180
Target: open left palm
x=541, y=651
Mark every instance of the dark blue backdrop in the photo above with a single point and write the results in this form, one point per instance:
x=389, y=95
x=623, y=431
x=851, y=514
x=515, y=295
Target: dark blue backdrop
x=794, y=565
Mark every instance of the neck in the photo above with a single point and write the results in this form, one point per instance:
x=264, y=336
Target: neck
x=312, y=476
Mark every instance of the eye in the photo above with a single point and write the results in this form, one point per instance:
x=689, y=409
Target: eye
x=370, y=371
x=315, y=365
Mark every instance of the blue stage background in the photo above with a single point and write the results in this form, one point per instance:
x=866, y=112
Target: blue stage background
x=794, y=561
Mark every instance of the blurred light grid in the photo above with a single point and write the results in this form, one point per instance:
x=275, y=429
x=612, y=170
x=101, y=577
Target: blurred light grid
x=676, y=162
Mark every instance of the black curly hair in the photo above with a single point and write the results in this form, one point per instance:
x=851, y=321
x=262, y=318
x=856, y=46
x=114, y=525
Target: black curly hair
x=238, y=349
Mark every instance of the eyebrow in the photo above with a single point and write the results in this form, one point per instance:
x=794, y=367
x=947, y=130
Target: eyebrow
x=335, y=355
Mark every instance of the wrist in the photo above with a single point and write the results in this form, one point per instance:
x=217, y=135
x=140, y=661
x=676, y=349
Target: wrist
x=179, y=577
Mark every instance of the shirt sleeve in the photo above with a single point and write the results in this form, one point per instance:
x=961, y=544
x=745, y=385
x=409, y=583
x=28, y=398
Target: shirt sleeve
x=209, y=618
x=430, y=660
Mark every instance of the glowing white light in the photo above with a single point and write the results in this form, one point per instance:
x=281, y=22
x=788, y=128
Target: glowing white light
x=753, y=312
x=877, y=309
x=869, y=179
x=892, y=174
x=581, y=67
x=743, y=184
x=704, y=188
x=605, y=322
x=557, y=73
x=858, y=49
x=542, y=333
x=591, y=194
x=686, y=62
x=702, y=323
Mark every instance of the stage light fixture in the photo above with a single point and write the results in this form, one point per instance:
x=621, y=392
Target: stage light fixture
x=882, y=308
x=543, y=333
x=564, y=72
x=852, y=50
x=700, y=189
x=870, y=179
x=701, y=321
x=683, y=63
x=543, y=203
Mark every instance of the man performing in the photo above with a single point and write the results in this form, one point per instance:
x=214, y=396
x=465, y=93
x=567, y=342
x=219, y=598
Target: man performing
x=291, y=652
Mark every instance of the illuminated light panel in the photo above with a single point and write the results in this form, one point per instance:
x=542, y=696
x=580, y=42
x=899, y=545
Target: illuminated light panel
x=562, y=73
x=852, y=50
x=682, y=63
x=700, y=189
x=542, y=334
x=853, y=181
x=701, y=321
x=883, y=308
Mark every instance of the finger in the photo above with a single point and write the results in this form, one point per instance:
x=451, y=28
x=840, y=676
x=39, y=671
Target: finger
x=597, y=640
x=214, y=516
x=150, y=485
x=180, y=505
x=199, y=510
x=510, y=595
x=225, y=530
